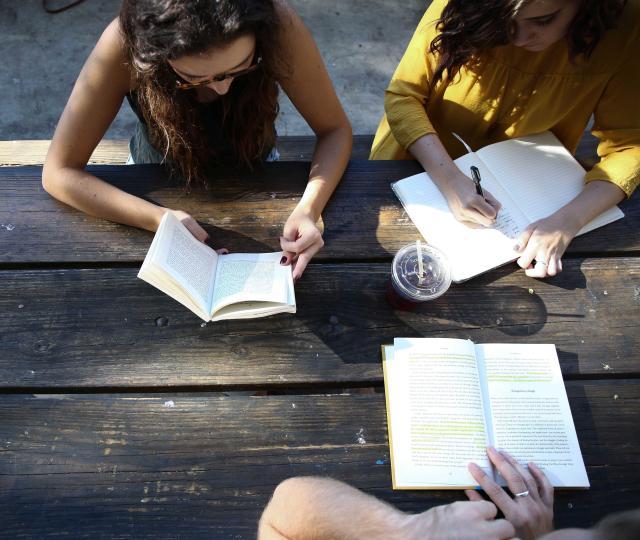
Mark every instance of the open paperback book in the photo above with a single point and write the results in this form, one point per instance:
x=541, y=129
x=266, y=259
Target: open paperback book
x=531, y=176
x=448, y=399
x=216, y=287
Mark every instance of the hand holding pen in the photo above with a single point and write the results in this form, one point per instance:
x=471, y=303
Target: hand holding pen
x=475, y=175
x=487, y=197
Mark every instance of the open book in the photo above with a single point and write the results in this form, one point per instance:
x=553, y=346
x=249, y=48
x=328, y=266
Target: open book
x=448, y=399
x=216, y=287
x=532, y=177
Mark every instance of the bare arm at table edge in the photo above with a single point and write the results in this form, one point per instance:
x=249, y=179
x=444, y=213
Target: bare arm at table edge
x=312, y=508
x=95, y=100
x=312, y=93
x=310, y=90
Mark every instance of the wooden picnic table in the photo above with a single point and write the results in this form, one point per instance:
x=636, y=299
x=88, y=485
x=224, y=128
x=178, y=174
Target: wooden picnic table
x=123, y=416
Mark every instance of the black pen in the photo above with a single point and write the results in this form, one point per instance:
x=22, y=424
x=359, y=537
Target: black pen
x=475, y=173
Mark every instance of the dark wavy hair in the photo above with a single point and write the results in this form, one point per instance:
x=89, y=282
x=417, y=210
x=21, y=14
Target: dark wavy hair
x=155, y=31
x=468, y=27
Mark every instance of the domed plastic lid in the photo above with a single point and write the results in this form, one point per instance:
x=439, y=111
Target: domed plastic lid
x=436, y=274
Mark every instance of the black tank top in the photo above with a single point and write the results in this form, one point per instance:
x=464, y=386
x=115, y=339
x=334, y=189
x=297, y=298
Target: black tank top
x=211, y=114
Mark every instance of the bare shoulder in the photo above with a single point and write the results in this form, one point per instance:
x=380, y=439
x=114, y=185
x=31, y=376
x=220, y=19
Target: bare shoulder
x=285, y=10
x=296, y=41
x=291, y=22
x=109, y=56
x=111, y=42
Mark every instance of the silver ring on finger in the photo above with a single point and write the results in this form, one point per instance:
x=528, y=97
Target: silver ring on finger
x=521, y=494
x=540, y=261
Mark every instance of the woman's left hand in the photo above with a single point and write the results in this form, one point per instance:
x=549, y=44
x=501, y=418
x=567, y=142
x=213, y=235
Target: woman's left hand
x=545, y=241
x=300, y=241
x=530, y=511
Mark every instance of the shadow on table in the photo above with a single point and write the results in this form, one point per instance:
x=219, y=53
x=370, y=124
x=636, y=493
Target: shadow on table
x=356, y=320
x=344, y=305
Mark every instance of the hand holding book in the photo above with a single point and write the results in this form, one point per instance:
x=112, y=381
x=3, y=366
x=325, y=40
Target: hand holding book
x=193, y=227
x=236, y=286
x=301, y=240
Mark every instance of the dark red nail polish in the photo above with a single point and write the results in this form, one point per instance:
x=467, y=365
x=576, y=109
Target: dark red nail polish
x=283, y=260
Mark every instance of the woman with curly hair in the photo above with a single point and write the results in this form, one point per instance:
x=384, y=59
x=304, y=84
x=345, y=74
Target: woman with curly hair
x=492, y=70
x=203, y=78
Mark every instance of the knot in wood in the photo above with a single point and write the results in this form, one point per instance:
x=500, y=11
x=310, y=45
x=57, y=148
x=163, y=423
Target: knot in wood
x=162, y=321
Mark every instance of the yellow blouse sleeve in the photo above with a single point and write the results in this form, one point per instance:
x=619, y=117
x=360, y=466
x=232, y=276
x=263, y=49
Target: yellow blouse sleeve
x=617, y=125
x=407, y=93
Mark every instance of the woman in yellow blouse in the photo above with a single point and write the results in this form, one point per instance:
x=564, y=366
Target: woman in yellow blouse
x=492, y=70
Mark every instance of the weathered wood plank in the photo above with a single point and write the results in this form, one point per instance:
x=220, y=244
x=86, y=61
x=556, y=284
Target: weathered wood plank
x=83, y=328
x=205, y=465
x=364, y=220
x=116, y=151
x=291, y=148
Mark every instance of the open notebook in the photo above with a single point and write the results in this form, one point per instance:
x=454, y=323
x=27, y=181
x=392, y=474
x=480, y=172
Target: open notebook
x=448, y=399
x=216, y=287
x=531, y=176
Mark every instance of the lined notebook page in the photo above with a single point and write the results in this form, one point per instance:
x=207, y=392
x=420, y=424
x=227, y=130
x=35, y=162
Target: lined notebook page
x=541, y=176
x=469, y=251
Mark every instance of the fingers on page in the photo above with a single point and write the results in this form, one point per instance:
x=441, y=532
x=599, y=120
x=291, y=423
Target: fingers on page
x=493, y=490
x=544, y=486
x=532, y=486
x=515, y=481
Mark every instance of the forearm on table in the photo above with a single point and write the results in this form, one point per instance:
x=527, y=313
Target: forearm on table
x=320, y=508
x=329, y=161
x=434, y=158
x=83, y=191
x=596, y=197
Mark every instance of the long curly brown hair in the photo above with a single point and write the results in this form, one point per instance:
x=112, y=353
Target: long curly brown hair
x=468, y=27
x=155, y=31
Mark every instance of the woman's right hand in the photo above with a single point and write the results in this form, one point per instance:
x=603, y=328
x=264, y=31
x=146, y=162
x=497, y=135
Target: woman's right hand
x=195, y=229
x=466, y=205
x=530, y=510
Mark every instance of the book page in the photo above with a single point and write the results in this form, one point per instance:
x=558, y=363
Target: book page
x=243, y=277
x=530, y=414
x=435, y=413
x=469, y=251
x=180, y=265
x=541, y=176
x=252, y=310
